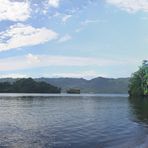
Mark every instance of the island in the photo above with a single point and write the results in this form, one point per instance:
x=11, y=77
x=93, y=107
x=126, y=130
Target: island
x=73, y=91
x=139, y=81
x=28, y=85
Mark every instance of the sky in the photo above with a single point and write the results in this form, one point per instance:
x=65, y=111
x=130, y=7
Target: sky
x=72, y=38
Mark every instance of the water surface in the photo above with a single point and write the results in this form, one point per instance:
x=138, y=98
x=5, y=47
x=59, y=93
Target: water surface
x=72, y=121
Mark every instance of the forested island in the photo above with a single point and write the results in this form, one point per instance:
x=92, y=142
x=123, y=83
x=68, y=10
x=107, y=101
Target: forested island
x=28, y=85
x=139, y=81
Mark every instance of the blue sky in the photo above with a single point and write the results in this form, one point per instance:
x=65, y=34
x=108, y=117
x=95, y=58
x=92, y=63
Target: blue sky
x=72, y=38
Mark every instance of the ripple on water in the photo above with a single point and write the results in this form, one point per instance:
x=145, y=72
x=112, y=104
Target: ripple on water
x=70, y=122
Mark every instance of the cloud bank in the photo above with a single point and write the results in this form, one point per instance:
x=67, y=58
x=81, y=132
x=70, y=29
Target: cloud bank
x=37, y=61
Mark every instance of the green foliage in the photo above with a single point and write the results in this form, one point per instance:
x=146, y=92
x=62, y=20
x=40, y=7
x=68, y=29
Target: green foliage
x=28, y=86
x=139, y=81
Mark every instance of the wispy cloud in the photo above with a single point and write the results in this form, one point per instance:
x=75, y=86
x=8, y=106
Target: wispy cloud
x=83, y=24
x=54, y=3
x=83, y=74
x=20, y=35
x=86, y=22
x=66, y=17
x=65, y=38
x=13, y=75
x=36, y=61
x=130, y=5
x=14, y=10
x=32, y=58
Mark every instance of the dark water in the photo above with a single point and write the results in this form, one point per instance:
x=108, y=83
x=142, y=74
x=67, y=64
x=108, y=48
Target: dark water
x=101, y=121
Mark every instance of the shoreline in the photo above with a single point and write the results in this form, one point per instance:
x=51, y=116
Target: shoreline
x=61, y=94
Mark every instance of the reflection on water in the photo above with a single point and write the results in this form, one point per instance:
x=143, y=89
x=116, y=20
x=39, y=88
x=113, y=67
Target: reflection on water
x=73, y=122
x=140, y=109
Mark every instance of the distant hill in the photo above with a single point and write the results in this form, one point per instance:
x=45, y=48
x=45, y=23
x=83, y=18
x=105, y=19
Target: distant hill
x=96, y=85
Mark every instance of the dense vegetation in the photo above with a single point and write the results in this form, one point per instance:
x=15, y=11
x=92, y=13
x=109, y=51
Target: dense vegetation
x=28, y=86
x=139, y=81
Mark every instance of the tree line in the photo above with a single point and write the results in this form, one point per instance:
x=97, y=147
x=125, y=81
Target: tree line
x=28, y=85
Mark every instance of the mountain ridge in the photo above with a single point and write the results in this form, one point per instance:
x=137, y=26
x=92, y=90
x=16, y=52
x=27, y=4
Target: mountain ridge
x=95, y=85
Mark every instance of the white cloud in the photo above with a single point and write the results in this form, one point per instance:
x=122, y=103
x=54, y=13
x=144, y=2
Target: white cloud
x=20, y=35
x=36, y=61
x=130, y=5
x=86, y=22
x=83, y=24
x=13, y=75
x=83, y=74
x=14, y=10
x=64, y=38
x=32, y=58
x=66, y=17
x=54, y=3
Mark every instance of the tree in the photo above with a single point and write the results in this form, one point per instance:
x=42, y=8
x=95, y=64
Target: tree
x=28, y=86
x=139, y=81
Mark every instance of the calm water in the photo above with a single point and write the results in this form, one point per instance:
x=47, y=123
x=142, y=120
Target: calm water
x=85, y=121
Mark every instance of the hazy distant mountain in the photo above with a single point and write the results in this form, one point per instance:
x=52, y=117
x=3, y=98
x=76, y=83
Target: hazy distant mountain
x=96, y=85
x=10, y=80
